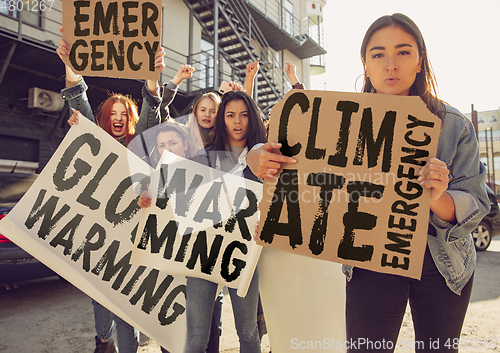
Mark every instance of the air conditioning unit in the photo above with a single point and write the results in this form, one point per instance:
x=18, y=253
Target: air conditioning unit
x=45, y=100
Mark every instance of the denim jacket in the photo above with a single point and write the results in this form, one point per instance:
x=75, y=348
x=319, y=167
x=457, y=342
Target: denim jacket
x=451, y=244
x=77, y=99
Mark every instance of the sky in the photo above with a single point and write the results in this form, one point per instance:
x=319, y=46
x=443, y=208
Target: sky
x=462, y=38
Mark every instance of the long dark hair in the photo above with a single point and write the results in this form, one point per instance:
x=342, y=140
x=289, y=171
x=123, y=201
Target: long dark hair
x=256, y=132
x=425, y=84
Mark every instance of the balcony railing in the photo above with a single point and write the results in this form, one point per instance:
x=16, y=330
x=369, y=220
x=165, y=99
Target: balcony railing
x=279, y=15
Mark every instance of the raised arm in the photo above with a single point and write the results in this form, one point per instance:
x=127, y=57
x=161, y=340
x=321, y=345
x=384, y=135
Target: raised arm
x=152, y=97
x=153, y=85
x=251, y=71
x=75, y=92
x=290, y=70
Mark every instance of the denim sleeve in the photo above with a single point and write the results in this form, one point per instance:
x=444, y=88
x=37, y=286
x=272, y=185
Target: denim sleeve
x=77, y=99
x=150, y=110
x=466, y=187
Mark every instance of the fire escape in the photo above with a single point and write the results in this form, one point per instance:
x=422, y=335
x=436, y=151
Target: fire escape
x=242, y=32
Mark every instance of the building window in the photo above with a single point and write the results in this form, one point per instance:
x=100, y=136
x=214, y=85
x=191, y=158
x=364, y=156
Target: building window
x=289, y=17
x=485, y=135
x=31, y=11
x=206, y=64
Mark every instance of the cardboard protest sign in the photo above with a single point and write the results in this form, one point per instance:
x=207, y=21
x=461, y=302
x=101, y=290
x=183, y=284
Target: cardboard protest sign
x=200, y=223
x=113, y=38
x=353, y=196
x=79, y=218
x=303, y=301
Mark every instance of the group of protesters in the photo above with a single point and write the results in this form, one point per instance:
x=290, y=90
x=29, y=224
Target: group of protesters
x=230, y=131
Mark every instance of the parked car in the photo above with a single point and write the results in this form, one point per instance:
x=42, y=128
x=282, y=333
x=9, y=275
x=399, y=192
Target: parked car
x=489, y=227
x=16, y=265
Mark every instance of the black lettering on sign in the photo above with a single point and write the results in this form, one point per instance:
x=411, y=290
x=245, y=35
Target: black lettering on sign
x=373, y=148
x=181, y=253
x=133, y=280
x=84, y=57
x=151, y=232
x=327, y=183
x=238, y=264
x=79, y=18
x=411, y=174
x=414, y=190
x=47, y=212
x=116, y=56
x=200, y=249
x=414, y=155
x=130, y=56
x=312, y=152
x=184, y=198
x=395, y=262
x=152, y=53
x=148, y=21
x=178, y=308
x=111, y=212
x=300, y=99
x=239, y=215
x=416, y=123
x=108, y=260
x=401, y=206
x=399, y=242
x=88, y=246
x=85, y=198
x=147, y=288
x=353, y=219
x=81, y=167
x=128, y=18
x=104, y=20
x=96, y=55
x=70, y=228
x=402, y=223
x=286, y=189
x=339, y=159
x=211, y=198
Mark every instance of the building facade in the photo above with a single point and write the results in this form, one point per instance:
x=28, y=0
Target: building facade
x=217, y=37
x=488, y=133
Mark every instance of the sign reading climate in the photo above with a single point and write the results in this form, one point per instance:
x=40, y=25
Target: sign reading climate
x=353, y=195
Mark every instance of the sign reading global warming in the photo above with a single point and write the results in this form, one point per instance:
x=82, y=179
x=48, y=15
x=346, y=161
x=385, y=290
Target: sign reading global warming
x=353, y=195
x=113, y=38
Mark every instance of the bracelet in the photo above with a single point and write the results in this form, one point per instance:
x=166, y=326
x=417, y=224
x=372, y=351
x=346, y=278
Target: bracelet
x=295, y=84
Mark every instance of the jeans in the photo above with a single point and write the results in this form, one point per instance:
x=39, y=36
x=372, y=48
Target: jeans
x=200, y=295
x=127, y=336
x=215, y=329
x=376, y=303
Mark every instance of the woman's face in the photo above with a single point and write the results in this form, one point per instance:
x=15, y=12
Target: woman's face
x=205, y=113
x=392, y=61
x=172, y=142
x=119, y=120
x=236, y=119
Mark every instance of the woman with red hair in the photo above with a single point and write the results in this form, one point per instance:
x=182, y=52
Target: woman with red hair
x=118, y=116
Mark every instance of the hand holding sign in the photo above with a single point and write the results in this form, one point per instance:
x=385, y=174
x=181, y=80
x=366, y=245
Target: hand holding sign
x=265, y=161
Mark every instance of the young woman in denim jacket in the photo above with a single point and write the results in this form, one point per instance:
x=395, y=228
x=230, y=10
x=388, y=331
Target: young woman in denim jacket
x=395, y=59
x=238, y=127
x=117, y=116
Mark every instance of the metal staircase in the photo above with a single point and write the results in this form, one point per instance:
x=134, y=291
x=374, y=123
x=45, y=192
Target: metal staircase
x=231, y=28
